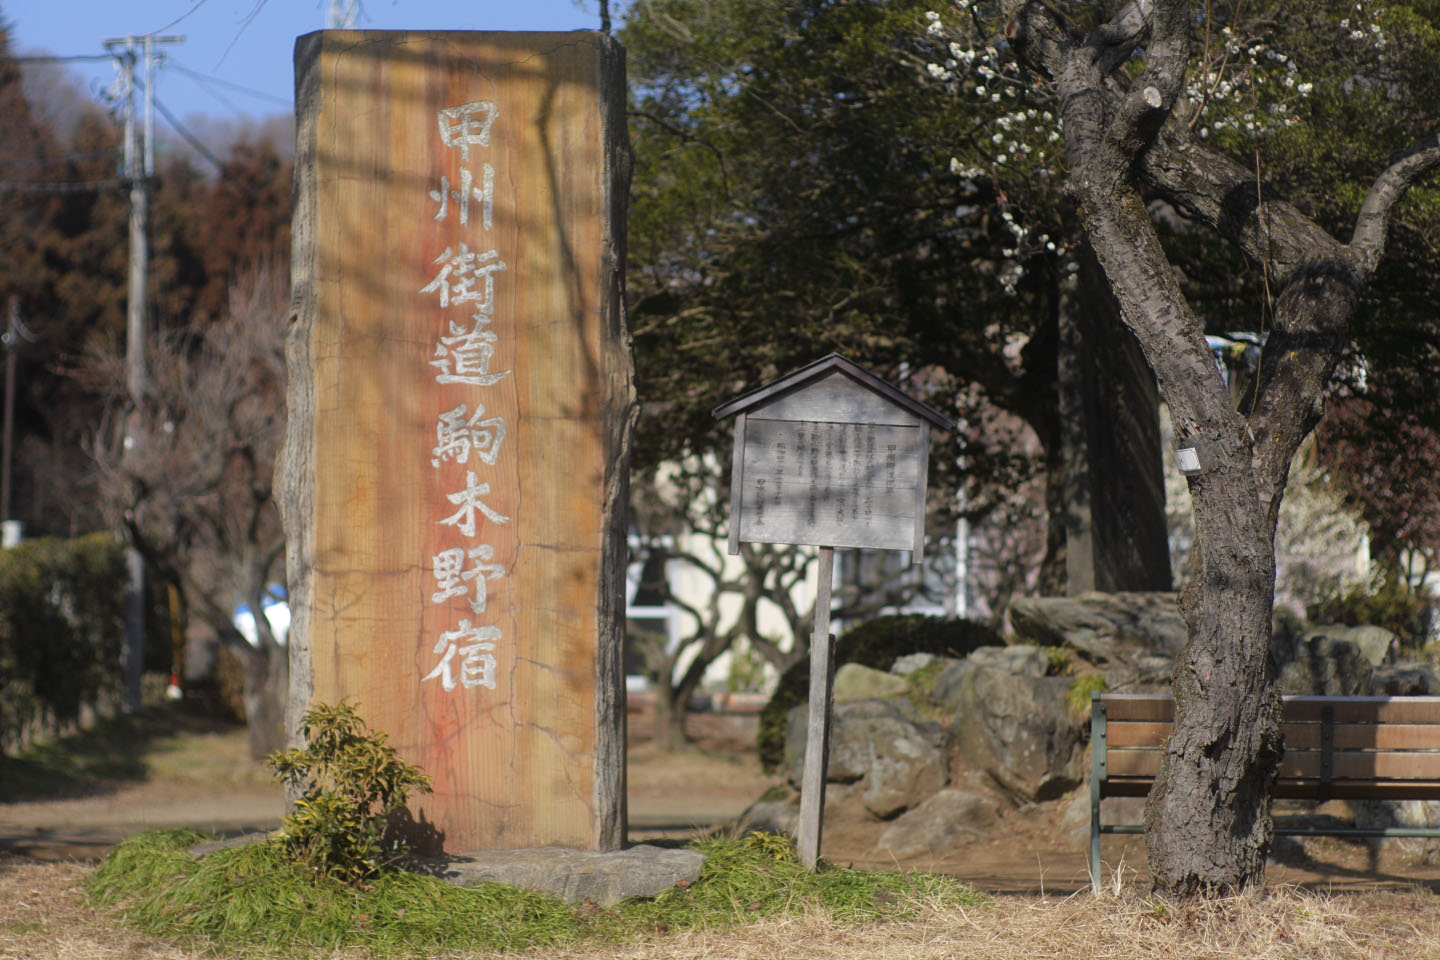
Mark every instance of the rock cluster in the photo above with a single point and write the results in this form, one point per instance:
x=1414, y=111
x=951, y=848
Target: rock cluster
x=1012, y=715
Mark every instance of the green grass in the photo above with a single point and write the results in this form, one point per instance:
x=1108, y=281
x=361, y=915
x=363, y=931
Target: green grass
x=24, y=928
x=249, y=901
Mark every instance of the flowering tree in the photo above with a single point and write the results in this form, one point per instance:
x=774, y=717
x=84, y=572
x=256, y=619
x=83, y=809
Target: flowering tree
x=1165, y=130
x=790, y=197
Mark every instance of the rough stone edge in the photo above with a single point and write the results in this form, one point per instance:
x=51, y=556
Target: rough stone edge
x=202, y=850
x=563, y=874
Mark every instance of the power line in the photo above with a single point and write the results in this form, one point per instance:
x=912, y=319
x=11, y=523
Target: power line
x=77, y=186
x=245, y=25
x=189, y=137
x=183, y=16
x=218, y=97
x=204, y=151
x=203, y=79
x=48, y=58
x=50, y=160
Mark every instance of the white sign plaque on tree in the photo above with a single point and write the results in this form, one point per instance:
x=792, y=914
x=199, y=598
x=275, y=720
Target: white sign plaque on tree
x=829, y=455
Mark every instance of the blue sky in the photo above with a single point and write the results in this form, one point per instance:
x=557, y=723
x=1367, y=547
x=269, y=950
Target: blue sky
x=235, y=44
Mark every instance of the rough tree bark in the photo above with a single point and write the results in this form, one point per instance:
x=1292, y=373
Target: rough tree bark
x=1126, y=140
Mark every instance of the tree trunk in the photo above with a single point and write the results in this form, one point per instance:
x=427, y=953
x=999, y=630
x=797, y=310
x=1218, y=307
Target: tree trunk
x=668, y=717
x=1054, y=574
x=1208, y=815
x=267, y=676
x=1208, y=819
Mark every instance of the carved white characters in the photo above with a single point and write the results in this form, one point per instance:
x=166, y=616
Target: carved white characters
x=456, y=437
x=466, y=125
x=474, y=645
x=485, y=193
x=462, y=358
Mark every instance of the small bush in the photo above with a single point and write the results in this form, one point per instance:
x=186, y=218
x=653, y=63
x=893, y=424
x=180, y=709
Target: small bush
x=1392, y=605
x=876, y=643
x=353, y=783
x=1077, y=695
x=61, y=624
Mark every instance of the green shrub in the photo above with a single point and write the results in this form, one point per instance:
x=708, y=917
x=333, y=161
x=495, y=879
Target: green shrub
x=61, y=625
x=353, y=783
x=875, y=643
x=1077, y=695
x=1392, y=605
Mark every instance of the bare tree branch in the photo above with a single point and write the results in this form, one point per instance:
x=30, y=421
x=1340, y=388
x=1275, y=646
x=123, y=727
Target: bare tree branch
x=1367, y=244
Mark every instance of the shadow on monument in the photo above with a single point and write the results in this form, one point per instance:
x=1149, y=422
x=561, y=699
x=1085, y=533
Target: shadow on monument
x=423, y=837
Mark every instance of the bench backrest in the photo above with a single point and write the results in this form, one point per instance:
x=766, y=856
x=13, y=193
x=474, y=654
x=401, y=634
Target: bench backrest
x=1334, y=746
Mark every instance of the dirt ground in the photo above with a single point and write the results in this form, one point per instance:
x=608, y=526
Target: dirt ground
x=205, y=780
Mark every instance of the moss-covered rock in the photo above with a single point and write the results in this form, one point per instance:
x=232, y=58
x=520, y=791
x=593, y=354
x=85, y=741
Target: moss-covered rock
x=875, y=643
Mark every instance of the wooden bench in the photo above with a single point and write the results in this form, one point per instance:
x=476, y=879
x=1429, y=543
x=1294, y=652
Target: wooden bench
x=1348, y=748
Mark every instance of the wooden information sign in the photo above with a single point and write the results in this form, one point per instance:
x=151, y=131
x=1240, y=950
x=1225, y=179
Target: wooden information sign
x=455, y=473
x=829, y=455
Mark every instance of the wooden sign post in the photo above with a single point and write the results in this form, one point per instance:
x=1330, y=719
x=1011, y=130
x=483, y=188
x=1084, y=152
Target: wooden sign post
x=455, y=473
x=829, y=455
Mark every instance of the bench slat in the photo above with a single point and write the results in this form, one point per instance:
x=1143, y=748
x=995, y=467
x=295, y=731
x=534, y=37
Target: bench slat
x=1305, y=789
x=1374, y=748
x=1160, y=707
x=1298, y=736
x=1364, y=709
x=1303, y=764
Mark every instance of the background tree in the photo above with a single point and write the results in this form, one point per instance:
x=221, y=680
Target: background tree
x=1383, y=454
x=195, y=494
x=791, y=196
x=679, y=534
x=1142, y=123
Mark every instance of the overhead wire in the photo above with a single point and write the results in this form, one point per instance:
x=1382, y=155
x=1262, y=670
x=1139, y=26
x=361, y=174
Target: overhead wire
x=189, y=137
x=35, y=186
x=244, y=25
x=215, y=94
x=181, y=18
x=50, y=58
x=204, y=79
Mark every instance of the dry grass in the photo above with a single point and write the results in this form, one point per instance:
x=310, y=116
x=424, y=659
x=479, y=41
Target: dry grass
x=43, y=916
x=1285, y=924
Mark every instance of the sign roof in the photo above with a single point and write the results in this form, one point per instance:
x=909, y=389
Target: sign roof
x=818, y=369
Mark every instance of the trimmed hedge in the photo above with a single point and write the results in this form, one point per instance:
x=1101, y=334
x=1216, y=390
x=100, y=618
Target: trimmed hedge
x=875, y=643
x=61, y=629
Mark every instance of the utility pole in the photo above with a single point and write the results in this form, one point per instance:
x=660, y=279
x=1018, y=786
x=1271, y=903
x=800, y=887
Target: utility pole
x=10, y=345
x=139, y=168
x=16, y=332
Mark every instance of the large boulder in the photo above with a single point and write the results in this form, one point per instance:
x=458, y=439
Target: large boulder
x=1317, y=663
x=856, y=682
x=946, y=820
x=1403, y=813
x=1022, y=659
x=1106, y=629
x=1376, y=644
x=1018, y=729
x=1404, y=680
x=894, y=756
